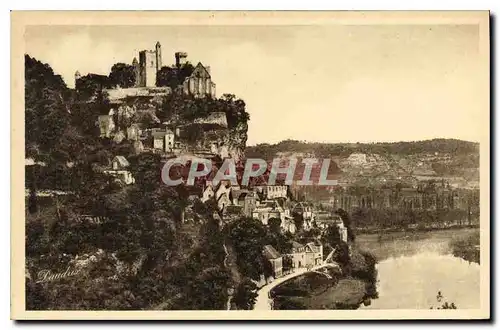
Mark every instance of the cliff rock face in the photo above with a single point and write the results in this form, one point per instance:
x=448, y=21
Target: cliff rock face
x=237, y=140
x=217, y=127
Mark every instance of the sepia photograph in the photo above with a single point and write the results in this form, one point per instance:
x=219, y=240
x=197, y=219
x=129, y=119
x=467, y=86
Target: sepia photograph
x=250, y=165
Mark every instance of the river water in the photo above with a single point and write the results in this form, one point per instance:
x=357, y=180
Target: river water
x=413, y=268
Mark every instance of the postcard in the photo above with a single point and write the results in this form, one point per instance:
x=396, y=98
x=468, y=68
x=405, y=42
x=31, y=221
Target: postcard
x=250, y=165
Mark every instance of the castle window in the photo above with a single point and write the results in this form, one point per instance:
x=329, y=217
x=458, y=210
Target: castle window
x=152, y=64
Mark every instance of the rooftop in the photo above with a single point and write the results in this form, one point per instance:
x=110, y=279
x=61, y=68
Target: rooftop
x=270, y=252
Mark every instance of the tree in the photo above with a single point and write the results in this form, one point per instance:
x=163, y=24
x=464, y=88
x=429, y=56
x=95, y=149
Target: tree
x=173, y=77
x=287, y=263
x=122, y=75
x=88, y=86
x=47, y=113
x=347, y=223
x=275, y=225
x=298, y=219
x=245, y=295
x=167, y=76
x=208, y=291
x=332, y=236
x=146, y=169
x=247, y=236
x=341, y=255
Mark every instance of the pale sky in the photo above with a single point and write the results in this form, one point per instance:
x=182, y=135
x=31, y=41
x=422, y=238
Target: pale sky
x=332, y=83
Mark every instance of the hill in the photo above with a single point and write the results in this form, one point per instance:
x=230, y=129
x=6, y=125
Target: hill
x=453, y=160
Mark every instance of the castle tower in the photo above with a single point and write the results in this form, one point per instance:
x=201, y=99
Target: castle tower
x=158, y=56
x=149, y=64
x=180, y=59
x=137, y=72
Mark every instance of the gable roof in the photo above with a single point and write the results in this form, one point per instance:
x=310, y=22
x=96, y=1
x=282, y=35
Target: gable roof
x=296, y=245
x=270, y=252
x=238, y=193
x=122, y=161
x=200, y=70
x=313, y=247
x=223, y=195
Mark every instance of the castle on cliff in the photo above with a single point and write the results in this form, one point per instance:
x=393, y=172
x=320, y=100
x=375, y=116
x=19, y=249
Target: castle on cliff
x=199, y=83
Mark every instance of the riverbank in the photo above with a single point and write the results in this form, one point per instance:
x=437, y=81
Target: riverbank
x=413, y=267
x=415, y=229
x=397, y=244
x=467, y=248
x=348, y=288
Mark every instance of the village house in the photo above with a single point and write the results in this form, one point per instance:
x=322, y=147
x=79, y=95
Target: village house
x=133, y=132
x=163, y=139
x=263, y=214
x=208, y=192
x=223, y=202
x=298, y=255
x=324, y=220
x=245, y=199
x=272, y=192
x=314, y=254
x=119, y=170
x=224, y=188
x=306, y=212
x=288, y=225
x=275, y=258
x=106, y=125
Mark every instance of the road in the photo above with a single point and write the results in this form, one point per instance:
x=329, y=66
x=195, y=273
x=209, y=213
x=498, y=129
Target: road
x=264, y=302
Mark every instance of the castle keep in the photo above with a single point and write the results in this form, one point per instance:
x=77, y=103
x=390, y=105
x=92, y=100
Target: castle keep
x=148, y=66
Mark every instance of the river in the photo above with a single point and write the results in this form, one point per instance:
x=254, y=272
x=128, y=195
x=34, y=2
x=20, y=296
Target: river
x=413, y=268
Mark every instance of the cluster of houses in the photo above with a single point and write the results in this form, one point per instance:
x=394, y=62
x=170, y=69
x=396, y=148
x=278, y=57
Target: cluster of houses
x=301, y=256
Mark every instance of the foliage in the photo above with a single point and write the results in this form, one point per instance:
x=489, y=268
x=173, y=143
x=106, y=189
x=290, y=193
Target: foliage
x=298, y=220
x=341, y=255
x=287, y=263
x=467, y=248
x=47, y=115
x=451, y=146
x=178, y=106
x=385, y=218
x=122, y=75
x=274, y=225
x=173, y=76
x=346, y=219
x=280, y=241
x=149, y=258
x=88, y=86
x=247, y=236
x=245, y=294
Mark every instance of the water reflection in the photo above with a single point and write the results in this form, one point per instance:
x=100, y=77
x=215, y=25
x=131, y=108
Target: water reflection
x=412, y=271
x=413, y=282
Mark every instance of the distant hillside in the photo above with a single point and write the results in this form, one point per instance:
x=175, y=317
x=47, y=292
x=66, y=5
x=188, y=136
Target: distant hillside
x=376, y=163
x=448, y=146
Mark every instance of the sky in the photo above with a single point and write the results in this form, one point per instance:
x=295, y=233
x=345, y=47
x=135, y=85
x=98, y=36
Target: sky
x=331, y=83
